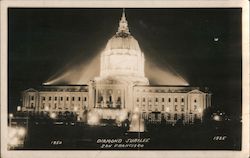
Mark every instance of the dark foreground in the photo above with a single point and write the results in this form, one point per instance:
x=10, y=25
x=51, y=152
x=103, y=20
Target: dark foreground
x=219, y=136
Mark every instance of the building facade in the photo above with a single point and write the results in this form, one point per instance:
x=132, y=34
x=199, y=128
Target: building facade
x=121, y=88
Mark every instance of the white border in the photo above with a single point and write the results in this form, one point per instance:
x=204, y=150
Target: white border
x=127, y=4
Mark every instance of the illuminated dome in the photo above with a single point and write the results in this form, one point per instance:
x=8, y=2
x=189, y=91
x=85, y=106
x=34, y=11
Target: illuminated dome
x=120, y=42
x=123, y=57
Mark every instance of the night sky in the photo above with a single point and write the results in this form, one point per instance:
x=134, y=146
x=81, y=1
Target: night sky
x=201, y=45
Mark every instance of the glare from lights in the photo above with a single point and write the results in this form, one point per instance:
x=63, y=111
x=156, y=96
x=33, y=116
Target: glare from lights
x=18, y=108
x=122, y=116
x=53, y=115
x=14, y=142
x=216, y=118
x=93, y=118
x=136, y=109
x=12, y=132
x=16, y=136
x=167, y=109
x=75, y=108
x=21, y=131
x=46, y=108
x=199, y=110
x=11, y=115
x=135, y=116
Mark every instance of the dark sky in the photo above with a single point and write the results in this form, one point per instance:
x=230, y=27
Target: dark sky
x=202, y=45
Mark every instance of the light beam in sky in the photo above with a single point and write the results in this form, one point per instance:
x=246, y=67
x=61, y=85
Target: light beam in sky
x=84, y=72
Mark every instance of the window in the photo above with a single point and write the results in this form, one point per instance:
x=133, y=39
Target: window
x=43, y=106
x=32, y=97
x=195, y=116
x=175, y=107
x=143, y=107
x=85, y=99
x=195, y=107
x=182, y=108
x=49, y=98
x=156, y=99
x=55, y=98
x=182, y=100
x=169, y=116
x=100, y=99
x=73, y=98
x=162, y=99
x=43, y=98
x=149, y=107
x=137, y=99
x=119, y=99
x=169, y=99
x=175, y=116
x=143, y=99
x=79, y=98
x=67, y=98
x=162, y=108
x=182, y=116
x=195, y=100
x=175, y=99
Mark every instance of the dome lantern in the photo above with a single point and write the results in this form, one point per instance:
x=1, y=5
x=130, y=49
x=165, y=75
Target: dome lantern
x=123, y=29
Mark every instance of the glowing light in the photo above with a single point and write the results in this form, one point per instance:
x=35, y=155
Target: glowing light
x=136, y=109
x=53, y=115
x=135, y=116
x=18, y=108
x=76, y=72
x=14, y=142
x=21, y=131
x=11, y=115
x=163, y=75
x=167, y=109
x=93, y=118
x=12, y=132
x=46, y=108
x=16, y=135
x=75, y=108
x=137, y=124
x=199, y=110
x=122, y=116
x=216, y=118
x=216, y=39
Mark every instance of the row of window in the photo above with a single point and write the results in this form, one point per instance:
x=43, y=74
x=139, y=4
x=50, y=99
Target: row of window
x=163, y=107
x=159, y=117
x=162, y=100
x=110, y=91
x=63, y=98
x=55, y=106
x=167, y=109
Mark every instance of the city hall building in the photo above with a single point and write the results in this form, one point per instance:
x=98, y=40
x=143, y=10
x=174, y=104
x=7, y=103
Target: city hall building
x=120, y=90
